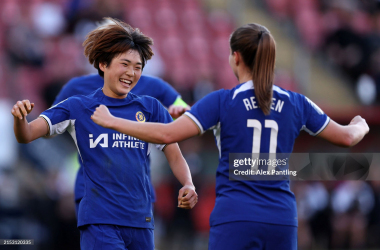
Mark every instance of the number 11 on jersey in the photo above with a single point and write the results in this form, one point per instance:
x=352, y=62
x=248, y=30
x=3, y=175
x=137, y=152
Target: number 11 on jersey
x=256, y=142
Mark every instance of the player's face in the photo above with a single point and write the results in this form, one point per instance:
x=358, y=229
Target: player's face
x=122, y=74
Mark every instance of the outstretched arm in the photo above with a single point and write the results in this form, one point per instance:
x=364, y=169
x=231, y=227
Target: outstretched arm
x=179, y=130
x=26, y=132
x=187, y=197
x=345, y=136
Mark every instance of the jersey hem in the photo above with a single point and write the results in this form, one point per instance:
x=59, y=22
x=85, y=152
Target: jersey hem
x=111, y=223
x=226, y=220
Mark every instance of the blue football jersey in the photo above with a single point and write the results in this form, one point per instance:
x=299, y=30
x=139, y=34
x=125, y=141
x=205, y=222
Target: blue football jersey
x=240, y=126
x=115, y=166
x=147, y=85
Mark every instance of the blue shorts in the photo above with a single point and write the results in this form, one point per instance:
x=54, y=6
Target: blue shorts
x=104, y=237
x=252, y=235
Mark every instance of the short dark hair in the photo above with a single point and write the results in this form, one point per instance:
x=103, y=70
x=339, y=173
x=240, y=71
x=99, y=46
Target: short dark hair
x=112, y=39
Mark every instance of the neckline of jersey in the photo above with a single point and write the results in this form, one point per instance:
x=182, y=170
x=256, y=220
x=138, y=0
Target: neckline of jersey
x=99, y=93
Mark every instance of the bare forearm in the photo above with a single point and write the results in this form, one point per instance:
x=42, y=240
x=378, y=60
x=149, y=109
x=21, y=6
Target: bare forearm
x=176, y=131
x=345, y=136
x=150, y=132
x=22, y=130
x=181, y=171
x=178, y=164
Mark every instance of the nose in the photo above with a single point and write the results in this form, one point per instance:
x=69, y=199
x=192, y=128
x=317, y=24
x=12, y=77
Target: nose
x=130, y=72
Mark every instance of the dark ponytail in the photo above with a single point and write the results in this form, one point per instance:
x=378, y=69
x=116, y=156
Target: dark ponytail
x=258, y=50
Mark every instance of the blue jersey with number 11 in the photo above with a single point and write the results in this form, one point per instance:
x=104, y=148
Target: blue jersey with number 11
x=240, y=126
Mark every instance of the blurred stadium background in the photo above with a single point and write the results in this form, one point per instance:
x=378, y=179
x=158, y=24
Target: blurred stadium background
x=328, y=50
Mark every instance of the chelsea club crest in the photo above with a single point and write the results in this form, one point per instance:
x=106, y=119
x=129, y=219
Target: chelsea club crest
x=140, y=117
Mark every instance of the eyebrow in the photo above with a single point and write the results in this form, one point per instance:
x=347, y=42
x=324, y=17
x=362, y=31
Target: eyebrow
x=139, y=63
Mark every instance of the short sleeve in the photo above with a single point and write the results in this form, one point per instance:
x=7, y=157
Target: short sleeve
x=58, y=117
x=314, y=119
x=206, y=112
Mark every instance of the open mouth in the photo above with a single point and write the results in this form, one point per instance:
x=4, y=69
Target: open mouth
x=124, y=82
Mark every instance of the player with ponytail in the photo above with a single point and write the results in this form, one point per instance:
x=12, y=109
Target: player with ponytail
x=253, y=117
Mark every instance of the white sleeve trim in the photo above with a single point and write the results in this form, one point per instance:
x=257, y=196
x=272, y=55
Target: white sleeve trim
x=49, y=123
x=58, y=128
x=195, y=120
x=160, y=146
x=319, y=131
x=324, y=126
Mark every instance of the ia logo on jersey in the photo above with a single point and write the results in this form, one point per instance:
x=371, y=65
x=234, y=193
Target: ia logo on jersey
x=103, y=137
x=140, y=117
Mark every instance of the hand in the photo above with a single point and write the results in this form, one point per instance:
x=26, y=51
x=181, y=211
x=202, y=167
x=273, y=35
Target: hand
x=176, y=111
x=187, y=197
x=358, y=120
x=22, y=108
x=102, y=116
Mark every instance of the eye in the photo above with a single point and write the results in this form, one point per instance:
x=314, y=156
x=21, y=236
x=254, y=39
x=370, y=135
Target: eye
x=138, y=68
x=125, y=64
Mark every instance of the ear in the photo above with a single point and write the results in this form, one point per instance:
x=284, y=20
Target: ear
x=236, y=58
x=102, y=66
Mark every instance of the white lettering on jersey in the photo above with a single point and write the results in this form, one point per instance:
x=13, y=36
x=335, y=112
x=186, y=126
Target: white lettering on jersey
x=126, y=141
x=100, y=137
x=279, y=106
x=247, y=104
x=251, y=104
x=120, y=141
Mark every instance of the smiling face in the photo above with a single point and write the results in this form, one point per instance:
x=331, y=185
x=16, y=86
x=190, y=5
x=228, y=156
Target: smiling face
x=122, y=74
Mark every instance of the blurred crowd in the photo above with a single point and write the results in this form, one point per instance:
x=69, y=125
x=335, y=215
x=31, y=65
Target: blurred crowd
x=40, y=50
x=346, y=32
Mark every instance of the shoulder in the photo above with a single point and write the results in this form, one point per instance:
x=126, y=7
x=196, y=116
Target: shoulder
x=284, y=93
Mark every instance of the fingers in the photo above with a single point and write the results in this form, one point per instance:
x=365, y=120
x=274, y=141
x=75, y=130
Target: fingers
x=21, y=105
x=188, y=195
x=180, y=195
x=22, y=109
x=27, y=105
x=193, y=199
x=176, y=111
x=16, y=112
x=189, y=200
x=189, y=204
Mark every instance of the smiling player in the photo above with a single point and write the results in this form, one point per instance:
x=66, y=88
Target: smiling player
x=147, y=85
x=253, y=117
x=116, y=210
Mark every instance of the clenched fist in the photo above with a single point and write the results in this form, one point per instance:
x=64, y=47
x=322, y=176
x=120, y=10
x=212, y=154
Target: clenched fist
x=22, y=108
x=187, y=197
x=359, y=120
x=102, y=116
